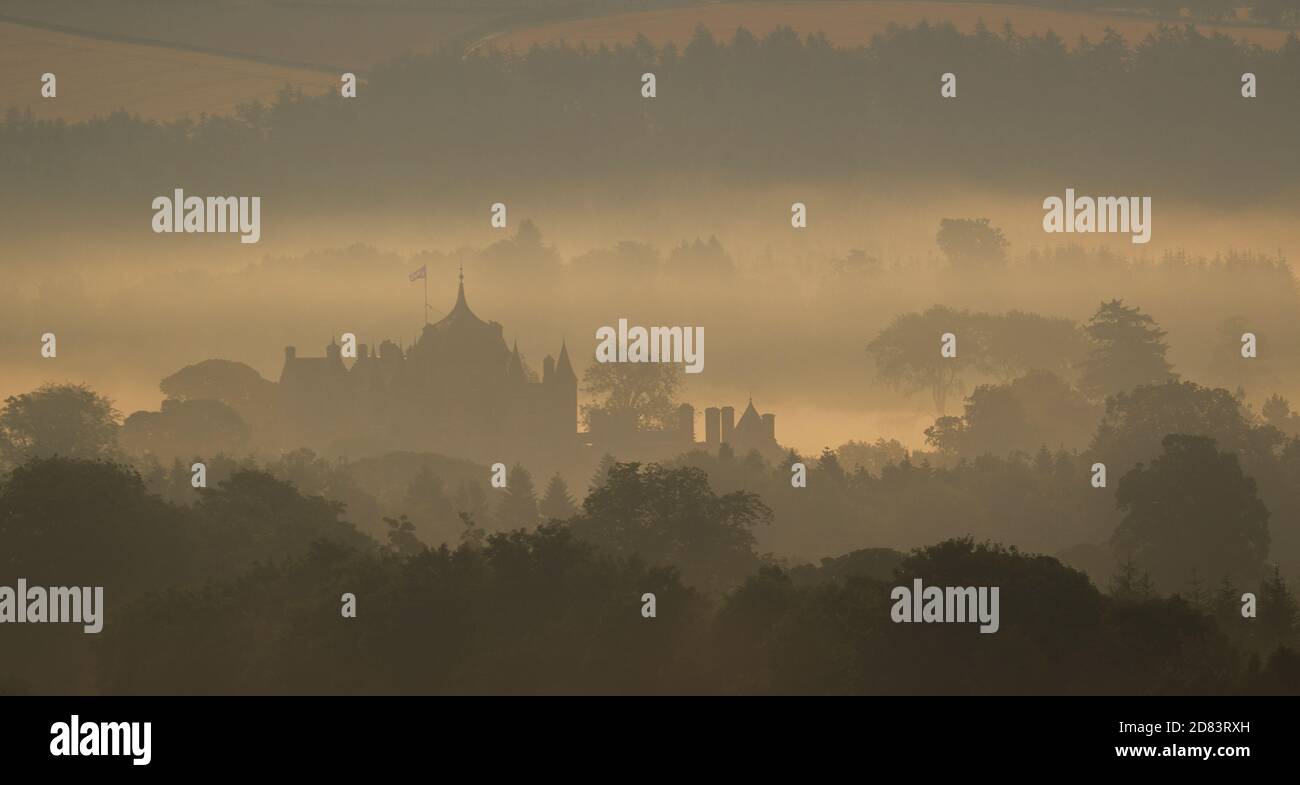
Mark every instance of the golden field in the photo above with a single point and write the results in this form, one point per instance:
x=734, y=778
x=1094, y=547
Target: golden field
x=846, y=23
x=97, y=76
x=352, y=36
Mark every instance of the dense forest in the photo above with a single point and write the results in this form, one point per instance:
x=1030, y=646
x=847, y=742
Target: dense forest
x=1029, y=110
x=236, y=587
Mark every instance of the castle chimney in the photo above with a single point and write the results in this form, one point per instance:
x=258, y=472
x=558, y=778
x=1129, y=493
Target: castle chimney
x=728, y=423
x=290, y=353
x=769, y=426
x=548, y=369
x=711, y=421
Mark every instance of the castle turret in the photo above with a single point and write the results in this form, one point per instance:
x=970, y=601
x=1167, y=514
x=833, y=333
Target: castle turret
x=686, y=422
x=515, y=366
x=563, y=368
x=728, y=423
x=712, y=419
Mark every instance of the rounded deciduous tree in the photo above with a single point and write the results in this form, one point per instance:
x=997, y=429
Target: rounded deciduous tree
x=69, y=420
x=1192, y=511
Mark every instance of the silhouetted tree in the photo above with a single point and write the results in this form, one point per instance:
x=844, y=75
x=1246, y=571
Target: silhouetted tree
x=1039, y=409
x=1191, y=509
x=186, y=427
x=435, y=513
x=907, y=353
x=631, y=395
x=518, y=505
x=69, y=420
x=672, y=517
x=1136, y=422
x=1129, y=351
x=971, y=244
x=401, y=536
x=556, y=503
x=1278, y=617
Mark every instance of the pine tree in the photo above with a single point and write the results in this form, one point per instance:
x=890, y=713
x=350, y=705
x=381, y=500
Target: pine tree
x=1131, y=583
x=401, y=536
x=1278, y=613
x=556, y=503
x=1227, y=609
x=1197, y=596
x=518, y=506
x=1129, y=351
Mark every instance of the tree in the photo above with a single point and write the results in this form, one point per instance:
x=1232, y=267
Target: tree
x=1279, y=616
x=672, y=517
x=1131, y=583
x=1276, y=412
x=183, y=428
x=1128, y=351
x=556, y=503
x=401, y=536
x=971, y=244
x=601, y=475
x=1191, y=510
x=95, y=520
x=434, y=512
x=233, y=383
x=872, y=457
x=907, y=353
x=1017, y=342
x=1039, y=409
x=1136, y=422
x=631, y=395
x=69, y=420
x=518, y=506
x=254, y=517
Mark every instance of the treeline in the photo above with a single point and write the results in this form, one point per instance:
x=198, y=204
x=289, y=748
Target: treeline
x=1028, y=108
x=242, y=594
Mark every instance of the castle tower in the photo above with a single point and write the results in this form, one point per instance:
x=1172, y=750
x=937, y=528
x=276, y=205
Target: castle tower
x=686, y=422
x=564, y=390
x=712, y=420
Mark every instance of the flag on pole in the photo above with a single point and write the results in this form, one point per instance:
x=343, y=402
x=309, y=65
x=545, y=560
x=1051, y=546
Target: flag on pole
x=420, y=273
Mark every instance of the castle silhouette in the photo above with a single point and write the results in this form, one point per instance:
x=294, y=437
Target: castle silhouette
x=458, y=390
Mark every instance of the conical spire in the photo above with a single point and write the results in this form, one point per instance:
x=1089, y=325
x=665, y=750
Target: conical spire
x=563, y=368
x=515, y=368
x=460, y=312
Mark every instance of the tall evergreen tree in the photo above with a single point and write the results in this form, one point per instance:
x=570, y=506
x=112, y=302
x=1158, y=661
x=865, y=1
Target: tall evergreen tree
x=556, y=502
x=518, y=505
x=1278, y=613
x=1129, y=351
